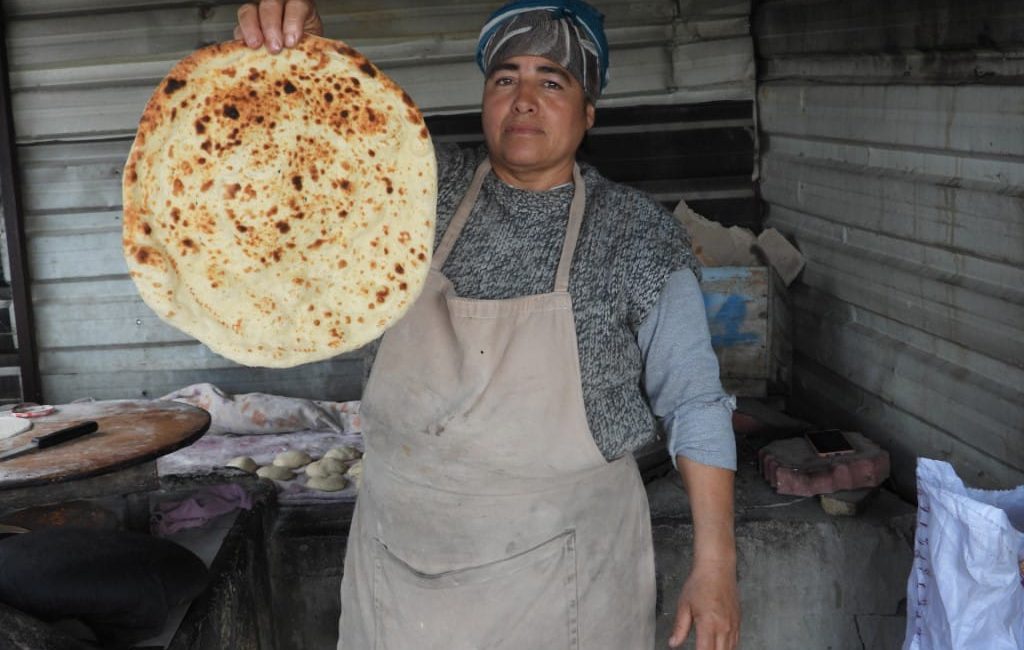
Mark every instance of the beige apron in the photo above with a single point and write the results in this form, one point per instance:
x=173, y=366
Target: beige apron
x=488, y=518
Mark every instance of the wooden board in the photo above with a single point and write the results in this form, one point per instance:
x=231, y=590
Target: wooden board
x=748, y=317
x=130, y=432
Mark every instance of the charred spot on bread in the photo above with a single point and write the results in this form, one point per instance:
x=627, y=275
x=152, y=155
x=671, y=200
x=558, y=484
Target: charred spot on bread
x=173, y=85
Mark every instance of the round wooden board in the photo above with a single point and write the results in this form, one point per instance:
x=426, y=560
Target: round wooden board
x=130, y=432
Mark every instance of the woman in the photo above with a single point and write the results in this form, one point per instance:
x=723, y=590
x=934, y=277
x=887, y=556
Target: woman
x=501, y=505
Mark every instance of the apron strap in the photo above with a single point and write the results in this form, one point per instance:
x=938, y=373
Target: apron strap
x=451, y=235
x=572, y=231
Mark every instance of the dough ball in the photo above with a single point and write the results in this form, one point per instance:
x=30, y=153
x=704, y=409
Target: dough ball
x=355, y=473
x=243, y=463
x=292, y=458
x=325, y=467
x=275, y=472
x=330, y=483
x=344, y=453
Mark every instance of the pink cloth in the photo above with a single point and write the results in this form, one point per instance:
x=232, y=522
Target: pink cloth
x=263, y=413
x=206, y=504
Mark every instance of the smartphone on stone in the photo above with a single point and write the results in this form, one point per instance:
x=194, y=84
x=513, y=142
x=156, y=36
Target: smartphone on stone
x=829, y=442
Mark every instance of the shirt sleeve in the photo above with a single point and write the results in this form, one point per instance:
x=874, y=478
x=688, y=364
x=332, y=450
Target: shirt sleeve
x=681, y=375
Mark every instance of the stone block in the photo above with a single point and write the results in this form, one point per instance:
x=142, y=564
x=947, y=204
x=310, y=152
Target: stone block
x=792, y=467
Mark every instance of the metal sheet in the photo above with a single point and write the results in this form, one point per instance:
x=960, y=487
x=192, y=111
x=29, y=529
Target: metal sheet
x=987, y=121
x=929, y=263
x=983, y=224
x=894, y=164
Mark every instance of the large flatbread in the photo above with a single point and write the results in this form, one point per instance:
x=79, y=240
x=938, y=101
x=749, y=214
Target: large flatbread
x=279, y=208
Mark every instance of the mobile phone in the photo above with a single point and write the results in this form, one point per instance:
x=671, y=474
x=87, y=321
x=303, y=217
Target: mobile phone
x=829, y=442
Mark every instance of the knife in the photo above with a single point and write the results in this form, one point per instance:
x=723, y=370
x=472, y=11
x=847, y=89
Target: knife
x=53, y=438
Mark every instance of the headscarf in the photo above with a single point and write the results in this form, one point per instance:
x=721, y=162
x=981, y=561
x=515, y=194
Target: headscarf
x=567, y=32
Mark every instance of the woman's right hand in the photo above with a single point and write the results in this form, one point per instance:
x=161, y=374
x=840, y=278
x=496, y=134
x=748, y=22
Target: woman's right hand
x=277, y=23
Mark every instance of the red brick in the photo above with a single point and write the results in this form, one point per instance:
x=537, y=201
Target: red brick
x=792, y=467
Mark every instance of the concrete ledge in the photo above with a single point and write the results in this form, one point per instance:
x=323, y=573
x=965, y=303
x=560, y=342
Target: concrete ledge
x=807, y=579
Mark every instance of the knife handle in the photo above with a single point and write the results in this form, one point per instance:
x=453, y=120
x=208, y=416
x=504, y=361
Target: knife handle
x=65, y=434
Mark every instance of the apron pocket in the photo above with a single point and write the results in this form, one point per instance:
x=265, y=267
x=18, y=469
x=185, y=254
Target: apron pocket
x=524, y=602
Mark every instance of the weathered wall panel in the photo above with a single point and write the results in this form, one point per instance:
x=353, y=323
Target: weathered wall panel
x=892, y=140
x=87, y=74
x=82, y=70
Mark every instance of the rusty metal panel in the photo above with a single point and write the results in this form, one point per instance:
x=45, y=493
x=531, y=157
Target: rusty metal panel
x=891, y=141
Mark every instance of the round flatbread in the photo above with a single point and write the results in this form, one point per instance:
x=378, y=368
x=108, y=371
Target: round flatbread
x=280, y=208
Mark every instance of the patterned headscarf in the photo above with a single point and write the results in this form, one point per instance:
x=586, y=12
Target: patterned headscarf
x=568, y=32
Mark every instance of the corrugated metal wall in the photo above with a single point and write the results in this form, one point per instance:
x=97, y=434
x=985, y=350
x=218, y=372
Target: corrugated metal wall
x=892, y=137
x=82, y=70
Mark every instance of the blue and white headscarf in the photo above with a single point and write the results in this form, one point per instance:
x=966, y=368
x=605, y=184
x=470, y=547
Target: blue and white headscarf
x=568, y=32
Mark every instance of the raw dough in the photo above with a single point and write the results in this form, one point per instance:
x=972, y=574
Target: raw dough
x=275, y=472
x=11, y=426
x=355, y=473
x=331, y=483
x=325, y=467
x=344, y=453
x=243, y=463
x=292, y=458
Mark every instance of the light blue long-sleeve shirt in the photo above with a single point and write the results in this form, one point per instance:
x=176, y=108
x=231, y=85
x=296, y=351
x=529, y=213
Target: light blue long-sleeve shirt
x=681, y=375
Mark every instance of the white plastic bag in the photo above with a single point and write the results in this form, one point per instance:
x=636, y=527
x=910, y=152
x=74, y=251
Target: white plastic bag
x=965, y=590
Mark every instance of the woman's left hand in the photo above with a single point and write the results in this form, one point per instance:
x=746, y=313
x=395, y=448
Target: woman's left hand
x=710, y=603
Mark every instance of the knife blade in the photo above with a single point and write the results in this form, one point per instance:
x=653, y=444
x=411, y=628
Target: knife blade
x=71, y=432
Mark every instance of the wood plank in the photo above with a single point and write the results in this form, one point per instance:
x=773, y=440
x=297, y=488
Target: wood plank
x=980, y=120
x=827, y=397
x=705, y=63
x=709, y=153
x=944, y=168
x=982, y=224
x=822, y=26
x=906, y=67
x=946, y=396
x=973, y=330
x=46, y=114
x=67, y=69
x=190, y=355
x=977, y=279
x=736, y=301
x=127, y=481
x=336, y=380
x=107, y=322
x=73, y=176
x=995, y=373
x=80, y=256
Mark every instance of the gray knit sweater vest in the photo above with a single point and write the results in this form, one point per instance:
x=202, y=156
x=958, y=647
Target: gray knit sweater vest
x=628, y=246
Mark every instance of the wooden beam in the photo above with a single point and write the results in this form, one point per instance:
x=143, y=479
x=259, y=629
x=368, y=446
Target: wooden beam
x=10, y=199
